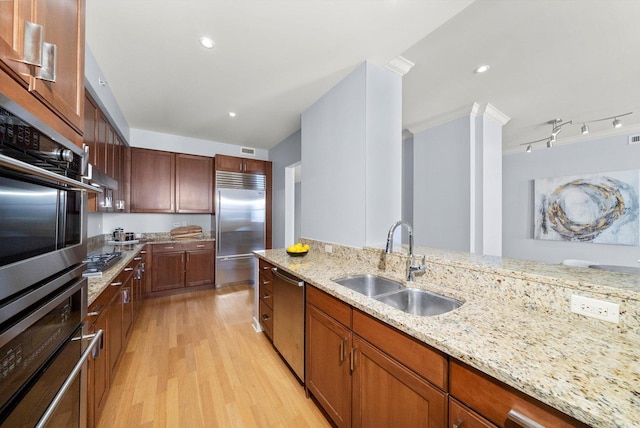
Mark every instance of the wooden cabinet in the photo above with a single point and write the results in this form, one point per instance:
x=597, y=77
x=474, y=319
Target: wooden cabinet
x=62, y=24
x=365, y=373
x=265, y=301
x=328, y=357
x=236, y=164
x=166, y=182
x=179, y=265
x=194, y=184
x=153, y=177
x=113, y=312
x=98, y=366
x=494, y=400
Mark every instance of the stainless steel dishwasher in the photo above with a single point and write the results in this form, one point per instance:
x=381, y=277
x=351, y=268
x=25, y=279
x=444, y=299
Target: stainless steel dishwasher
x=288, y=320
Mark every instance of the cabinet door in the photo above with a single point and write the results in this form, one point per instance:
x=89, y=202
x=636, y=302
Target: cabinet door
x=254, y=166
x=100, y=154
x=13, y=14
x=98, y=369
x=327, y=365
x=194, y=184
x=115, y=332
x=152, y=181
x=89, y=139
x=199, y=270
x=63, y=22
x=387, y=394
x=168, y=271
x=229, y=163
x=127, y=308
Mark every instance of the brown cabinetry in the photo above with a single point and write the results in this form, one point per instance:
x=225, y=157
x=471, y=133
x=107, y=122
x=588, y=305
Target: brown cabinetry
x=499, y=403
x=180, y=265
x=113, y=312
x=360, y=383
x=166, y=182
x=62, y=25
x=265, y=305
x=236, y=164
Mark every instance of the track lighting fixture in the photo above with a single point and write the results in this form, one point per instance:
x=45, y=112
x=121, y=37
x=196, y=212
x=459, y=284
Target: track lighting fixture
x=557, y=126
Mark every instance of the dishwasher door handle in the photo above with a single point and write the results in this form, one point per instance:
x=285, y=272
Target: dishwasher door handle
x=291, y=280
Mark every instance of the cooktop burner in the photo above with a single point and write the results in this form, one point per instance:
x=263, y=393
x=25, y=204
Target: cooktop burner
x=98, y=263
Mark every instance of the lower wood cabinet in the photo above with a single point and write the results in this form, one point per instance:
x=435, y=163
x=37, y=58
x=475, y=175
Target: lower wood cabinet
x=361, y=385
x=265, y=302
x=180, y=265
x=113, y=312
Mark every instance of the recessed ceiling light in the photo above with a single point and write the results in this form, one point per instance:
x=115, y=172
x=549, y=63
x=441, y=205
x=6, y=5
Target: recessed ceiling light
x=481, y=69
x=232, y=114
x=207, y=42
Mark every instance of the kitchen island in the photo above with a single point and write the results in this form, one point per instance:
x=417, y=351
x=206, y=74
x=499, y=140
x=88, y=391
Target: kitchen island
x=515, y=324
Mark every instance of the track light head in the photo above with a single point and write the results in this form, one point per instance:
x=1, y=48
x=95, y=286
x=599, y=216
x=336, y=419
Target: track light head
x=584, y=129
x=617, y=123
x=550, y=142
x=529, y=148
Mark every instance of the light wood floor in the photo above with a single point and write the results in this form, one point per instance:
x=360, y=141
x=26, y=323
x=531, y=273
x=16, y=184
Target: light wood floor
x=193, y=360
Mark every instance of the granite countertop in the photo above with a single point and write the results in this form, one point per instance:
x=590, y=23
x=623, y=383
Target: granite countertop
x=97, y=285
x=588, y=371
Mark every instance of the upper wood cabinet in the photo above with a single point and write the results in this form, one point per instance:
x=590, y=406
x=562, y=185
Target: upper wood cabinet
x=165, y=182
x=194, y=184
x=152, y=184
x=62, y=24
x=236, y=164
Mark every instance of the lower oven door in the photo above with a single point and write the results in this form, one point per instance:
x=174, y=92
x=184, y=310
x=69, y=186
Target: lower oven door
x=39, y=349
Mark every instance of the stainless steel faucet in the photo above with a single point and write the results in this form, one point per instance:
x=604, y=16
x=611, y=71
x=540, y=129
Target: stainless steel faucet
x=411, y=267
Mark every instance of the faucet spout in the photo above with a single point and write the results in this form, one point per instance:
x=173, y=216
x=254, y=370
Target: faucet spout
x=411, y=268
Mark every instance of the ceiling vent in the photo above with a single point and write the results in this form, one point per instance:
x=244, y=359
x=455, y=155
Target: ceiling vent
x=248, y=151
x=634, y=139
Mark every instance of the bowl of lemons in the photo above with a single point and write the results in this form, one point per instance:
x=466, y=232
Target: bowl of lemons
x=298, y=250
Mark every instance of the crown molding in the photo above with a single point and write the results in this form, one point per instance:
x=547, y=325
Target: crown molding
x=400, y=65
x=444, y=118
x=495, y=114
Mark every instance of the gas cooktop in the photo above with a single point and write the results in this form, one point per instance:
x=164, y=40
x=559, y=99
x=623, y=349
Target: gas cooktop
x=98, y=263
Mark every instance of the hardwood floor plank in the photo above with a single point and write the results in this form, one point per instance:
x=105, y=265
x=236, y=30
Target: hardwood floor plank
x=193, y=360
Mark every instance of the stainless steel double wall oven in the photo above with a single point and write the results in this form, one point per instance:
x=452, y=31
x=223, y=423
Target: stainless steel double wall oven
x=43, y=296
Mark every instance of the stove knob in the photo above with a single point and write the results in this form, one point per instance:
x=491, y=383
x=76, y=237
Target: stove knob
x=66, y=155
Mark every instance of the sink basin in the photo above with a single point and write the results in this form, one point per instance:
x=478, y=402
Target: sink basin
x=419, y=302
x=369, y=285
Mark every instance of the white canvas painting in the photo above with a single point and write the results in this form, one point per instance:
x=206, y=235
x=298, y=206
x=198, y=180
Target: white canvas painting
x=599, y=208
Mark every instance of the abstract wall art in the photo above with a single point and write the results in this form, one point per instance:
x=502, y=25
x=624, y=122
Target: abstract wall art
x=598, y=208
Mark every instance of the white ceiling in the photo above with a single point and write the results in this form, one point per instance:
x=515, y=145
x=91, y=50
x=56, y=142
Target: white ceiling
x=571, y=59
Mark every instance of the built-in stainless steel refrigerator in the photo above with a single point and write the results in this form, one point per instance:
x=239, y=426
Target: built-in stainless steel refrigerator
x=240, y=225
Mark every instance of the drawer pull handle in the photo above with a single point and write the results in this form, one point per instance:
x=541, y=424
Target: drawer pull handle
x=143, y=252
x=168, y=248
x=128, y=269
x=266, y=296
x=200, y=246
x=457, y=424
x=137, y=259
x=117, y=284
x=265, y=317
x=343, y=342
x=521, y=420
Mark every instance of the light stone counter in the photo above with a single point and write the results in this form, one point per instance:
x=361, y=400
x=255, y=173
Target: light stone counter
x=97, y=285
x=515, y=323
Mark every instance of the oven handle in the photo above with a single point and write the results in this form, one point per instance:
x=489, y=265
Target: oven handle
x=67, y=383
x=20, y=166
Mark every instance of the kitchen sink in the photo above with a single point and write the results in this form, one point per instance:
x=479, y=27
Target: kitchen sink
x=419, y=302
x=369, y=285
x=394, y=293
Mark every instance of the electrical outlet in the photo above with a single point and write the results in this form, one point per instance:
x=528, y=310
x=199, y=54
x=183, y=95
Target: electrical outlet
x=176, y=224
x=328, y=249
x=599, y=309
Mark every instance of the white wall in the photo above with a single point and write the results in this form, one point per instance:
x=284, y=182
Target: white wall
x=352, y=159
x=520, y=169
x=441, y=187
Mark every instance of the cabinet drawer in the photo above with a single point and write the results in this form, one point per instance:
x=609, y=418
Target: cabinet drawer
x=266, y=319
x=171, y=247
x=328, y=304
x=265, y=269
x=427, y=362
x=463, y=417
x=266, y=291
x=494, y=399
x=198, y=245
